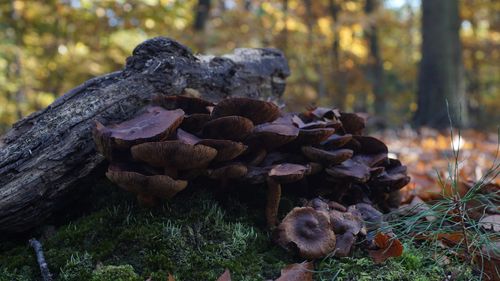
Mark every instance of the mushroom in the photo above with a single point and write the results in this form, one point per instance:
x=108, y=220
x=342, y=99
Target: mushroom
x=147, y=188
x=234, y=128
x=307, y=231
x=256, y=110
x=154, y=124
x=352, y=123
x=280, y=174
x=190, y=105
x=227, y=172
x=194, y=123
x=372, y=217
x=326, y=157
x=174, y=155
x=313, y=136
x=346, y=226
x=187, y=137
x=226, y=149
x=270, y=135
x=336, y=141
x=350, y=170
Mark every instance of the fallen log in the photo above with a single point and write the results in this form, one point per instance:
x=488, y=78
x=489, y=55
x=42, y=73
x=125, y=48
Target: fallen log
x=45, y=155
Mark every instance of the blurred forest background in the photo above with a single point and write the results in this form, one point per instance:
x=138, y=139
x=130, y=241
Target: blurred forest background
x=362, y=55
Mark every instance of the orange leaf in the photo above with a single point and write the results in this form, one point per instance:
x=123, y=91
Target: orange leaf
x=297, y=272
x=226, y=276
x=388, y=247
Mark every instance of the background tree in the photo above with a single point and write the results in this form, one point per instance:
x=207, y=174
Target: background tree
x=441, y=76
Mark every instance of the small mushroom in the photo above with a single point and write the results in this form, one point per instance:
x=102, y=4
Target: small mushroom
x=352, y=123
x=313, y=136
x=190, y=105
x=256, y=110
x=350, y=170
x=174, y=155
x=228, y=172
x=336, y=141
x=154, y=124
x=270, y=135
x=235, y=128
x=280, y=174
x=372, y=217
x=226, y=149
x=326, y=157
x=147, y=188
x=194, y=123
x=346, y=226
x=306, y=231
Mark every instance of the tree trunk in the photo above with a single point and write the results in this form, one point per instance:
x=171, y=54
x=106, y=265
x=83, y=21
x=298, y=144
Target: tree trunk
x=45, y=155
x=339, y=74
x=375, y=63
x=441, y=77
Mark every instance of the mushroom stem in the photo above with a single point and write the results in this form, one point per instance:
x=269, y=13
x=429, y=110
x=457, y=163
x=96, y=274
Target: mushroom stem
x=171, y=171
x=273, y=201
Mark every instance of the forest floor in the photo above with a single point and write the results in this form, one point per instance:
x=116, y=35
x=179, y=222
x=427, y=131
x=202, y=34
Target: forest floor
x=200, y=233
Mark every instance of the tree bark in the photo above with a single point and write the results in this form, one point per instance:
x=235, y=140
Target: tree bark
x=441, y=77
x=45, y=155
x=376, y=68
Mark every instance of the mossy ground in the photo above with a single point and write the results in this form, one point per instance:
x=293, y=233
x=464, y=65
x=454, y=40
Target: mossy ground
x=195, y=237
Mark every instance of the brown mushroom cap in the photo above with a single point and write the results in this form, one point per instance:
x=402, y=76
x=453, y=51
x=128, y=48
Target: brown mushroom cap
x=393, y=178
x=234, y=128
x=190, y=105
x=272, y=135
x=228, y=171
x=256, y=110
x=350, y=169
x=226, y=149
x=174, y=153
x=194, y=123
x=372, y=217
x=326, y=157
x=313, y=136
x=352, y=123
x=325, y=112
x=154, y=124
x=160, y=186
x=286, y=173
x=307, y=231
x=336, y=141
x=367, y=145
x=343, y=222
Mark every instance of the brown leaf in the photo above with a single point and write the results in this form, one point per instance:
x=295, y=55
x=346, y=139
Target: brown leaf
x=297, y=272
x=170, y=277
x=226, y=276
x=388, y=247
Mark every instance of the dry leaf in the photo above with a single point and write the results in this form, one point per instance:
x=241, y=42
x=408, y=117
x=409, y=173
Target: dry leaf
x=388, y=247
x=170, y=277
x=297, y=272
x=226, y=276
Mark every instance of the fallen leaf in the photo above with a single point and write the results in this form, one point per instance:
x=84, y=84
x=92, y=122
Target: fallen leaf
x=297, y=272
x=170, y=277
x=226, y=276
x=490, y=222
x=388, y=247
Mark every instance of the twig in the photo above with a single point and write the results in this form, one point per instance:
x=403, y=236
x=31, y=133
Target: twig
x=44, y=269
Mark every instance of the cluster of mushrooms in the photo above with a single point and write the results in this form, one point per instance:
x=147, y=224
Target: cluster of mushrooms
x=177, y=139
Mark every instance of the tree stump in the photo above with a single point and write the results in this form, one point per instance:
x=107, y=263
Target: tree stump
x=45, y=155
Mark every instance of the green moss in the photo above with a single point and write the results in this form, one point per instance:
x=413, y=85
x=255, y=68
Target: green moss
x=194, y=237
x=115, y=273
